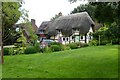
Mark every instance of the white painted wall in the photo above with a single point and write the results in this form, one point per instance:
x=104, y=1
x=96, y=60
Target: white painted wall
x=72, y=40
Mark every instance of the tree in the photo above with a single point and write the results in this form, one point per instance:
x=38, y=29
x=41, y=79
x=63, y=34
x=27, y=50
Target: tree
x=11, y=14
x=56, y=16
x=85, y=7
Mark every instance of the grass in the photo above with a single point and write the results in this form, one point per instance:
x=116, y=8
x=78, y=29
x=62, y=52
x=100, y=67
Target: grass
x=89, y=62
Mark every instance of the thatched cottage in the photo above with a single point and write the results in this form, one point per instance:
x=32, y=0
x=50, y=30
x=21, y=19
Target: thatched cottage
x=26, y=27
x=72, y=28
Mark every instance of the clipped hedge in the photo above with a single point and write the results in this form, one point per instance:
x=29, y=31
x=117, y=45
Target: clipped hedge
x=30, y=50
x=94, y=42
x=9, y=51
x=83, y=45
x=73, y=46
x=6, y=51
x=55, y=48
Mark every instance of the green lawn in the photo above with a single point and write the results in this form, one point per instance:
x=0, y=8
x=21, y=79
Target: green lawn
x=89, y=62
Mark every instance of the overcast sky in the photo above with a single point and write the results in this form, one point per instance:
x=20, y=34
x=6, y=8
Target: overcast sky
x=44, y=10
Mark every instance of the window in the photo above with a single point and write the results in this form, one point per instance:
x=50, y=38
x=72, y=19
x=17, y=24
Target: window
x=81, y=37
x=90, y=37
x=76, y=29
x=59, y=31
x=67, y=39
x=41, y=31
x=72, y=37
x=63, y=39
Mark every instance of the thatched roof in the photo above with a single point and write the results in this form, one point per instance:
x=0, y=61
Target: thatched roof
x=81, y=21
x=44, y=25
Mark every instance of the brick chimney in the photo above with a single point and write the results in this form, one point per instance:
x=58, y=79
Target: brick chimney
x=34, y=25
x=60, y=14
x=33, y=21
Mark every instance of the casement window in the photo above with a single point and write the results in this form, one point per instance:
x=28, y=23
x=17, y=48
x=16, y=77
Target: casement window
x=72, y=37
x=76, y=30
x=63, y=39
x=41, y=31
x=67, y=39
x=59, y=31
x=81, y=37
x=89, y=37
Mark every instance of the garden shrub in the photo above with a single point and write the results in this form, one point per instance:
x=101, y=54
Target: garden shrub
x=61, y=46
x=6, y=51
x=30, y=50
x=78, y=44
x=55, y=48
x=47, y=49
x=55, y=43
x=103, y=42
x=11, y=51
x=83, y=44
x=37, y=47
x=73, y=45
x=93, y=42
x=20, y=50
x=66, y=47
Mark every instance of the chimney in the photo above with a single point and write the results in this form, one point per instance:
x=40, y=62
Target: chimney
x=33, y=21
x=60, y=14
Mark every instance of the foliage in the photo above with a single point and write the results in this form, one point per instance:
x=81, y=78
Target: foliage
x=47, y=49
x=55, y=43
x=73, y=45
x=108, y=34
x=19, y=50
x=52, y=47
x=56, y=16
x=93, y=42
x=85, y=7
x=65, y=47
x=11, y=51
x=32, y=34
x=55, y=48
x=104, y=12
x=37, y=47
x=6, y=51
x=21, y=40
x=30, y=50
x=84, y=45
x=11, y=13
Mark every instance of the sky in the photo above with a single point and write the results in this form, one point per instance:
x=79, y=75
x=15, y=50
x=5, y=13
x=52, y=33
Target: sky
x=44, y=10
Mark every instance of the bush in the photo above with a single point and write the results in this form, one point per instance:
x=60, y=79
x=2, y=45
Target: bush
x=11, y=51
x=6, y=51
x=30, y=50
x=37, y=47
x=19, y=50
x=55, y=48
x=73, y=45
x=94, y=43
x=104, y=42
x=55, y=43
x=66, y=47
x=47, y=49
x=83, y=44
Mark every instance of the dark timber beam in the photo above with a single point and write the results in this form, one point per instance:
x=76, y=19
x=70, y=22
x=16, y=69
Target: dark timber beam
x=85, y=38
